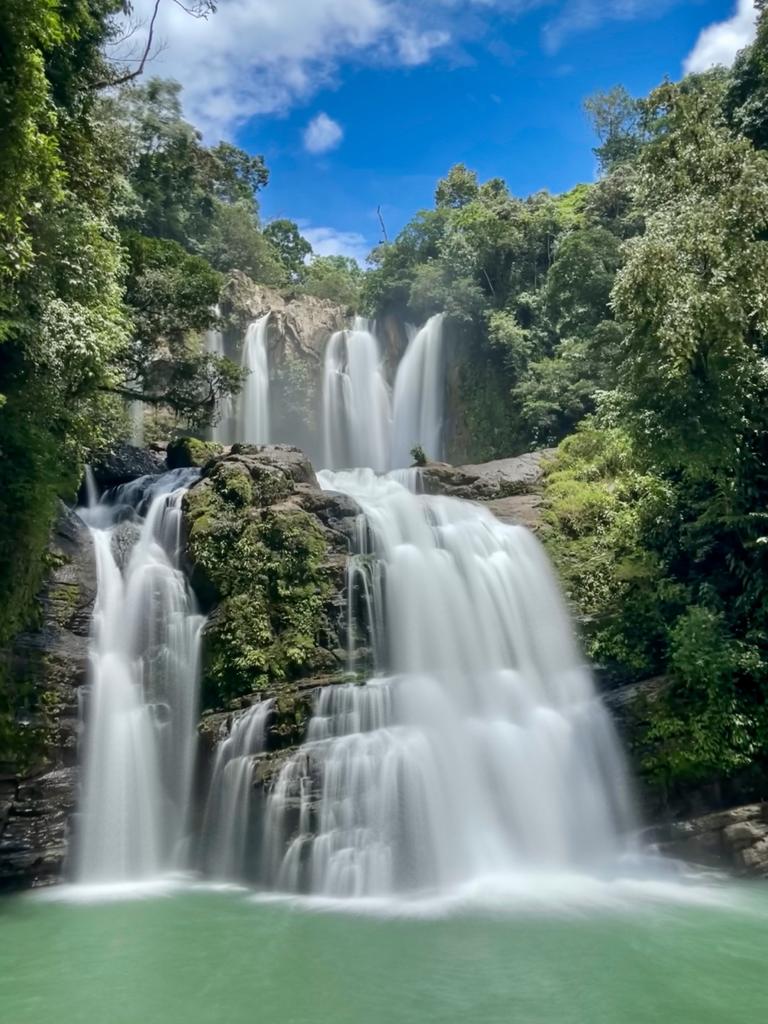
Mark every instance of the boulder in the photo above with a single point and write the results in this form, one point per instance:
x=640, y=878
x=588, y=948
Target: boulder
x=125, y=462
x=488, y=481
x=267, y=553
x=189, y=452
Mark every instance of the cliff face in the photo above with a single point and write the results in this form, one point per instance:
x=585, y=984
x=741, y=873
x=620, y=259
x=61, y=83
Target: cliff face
x=299, y=329
x=43, y=672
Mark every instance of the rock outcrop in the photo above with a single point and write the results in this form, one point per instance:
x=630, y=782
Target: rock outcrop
x=510, y=488
x=45, y=668
x=735, y=839
x=298, y=331
x=267, y=551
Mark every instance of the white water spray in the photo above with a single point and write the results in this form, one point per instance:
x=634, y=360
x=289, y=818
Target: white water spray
x=363, y=423
x=142, y=706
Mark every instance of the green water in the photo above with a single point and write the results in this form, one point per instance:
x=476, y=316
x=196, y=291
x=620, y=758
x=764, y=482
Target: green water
x=199, y=957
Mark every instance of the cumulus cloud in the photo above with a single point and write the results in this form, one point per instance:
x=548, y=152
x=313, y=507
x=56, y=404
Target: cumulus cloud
x=322, y=134
x=719, y=43
x=330, y=242
x=262, y=57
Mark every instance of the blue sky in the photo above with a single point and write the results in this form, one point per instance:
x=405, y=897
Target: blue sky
x=356, y=103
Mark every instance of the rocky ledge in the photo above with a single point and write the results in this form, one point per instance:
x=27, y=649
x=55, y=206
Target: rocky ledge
x=510, y=488
x=736, y=839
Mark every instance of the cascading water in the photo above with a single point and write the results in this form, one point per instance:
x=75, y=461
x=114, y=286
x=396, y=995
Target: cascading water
x=417, y=408
x=222, y=431
x=356, y=403
x=141, y=710
x=482, y=751
x=365, y=425
x=229, y=806
x=253, y=401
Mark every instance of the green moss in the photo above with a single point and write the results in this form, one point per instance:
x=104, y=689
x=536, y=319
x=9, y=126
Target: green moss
x=191, y=451
x=265, y=568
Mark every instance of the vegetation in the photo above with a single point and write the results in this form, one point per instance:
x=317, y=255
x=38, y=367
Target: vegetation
x=264, y=565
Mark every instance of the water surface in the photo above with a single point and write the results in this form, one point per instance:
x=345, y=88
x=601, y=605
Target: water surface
x=197, y=957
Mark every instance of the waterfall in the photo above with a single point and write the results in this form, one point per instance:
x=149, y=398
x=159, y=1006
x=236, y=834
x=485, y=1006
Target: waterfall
x=418, y=395
x=222, y=430
x=136, y=418
x=356, y=403
x=362, y=424
x=229, y=806
x=253, y=403
x=478, y=748
x=142, y=702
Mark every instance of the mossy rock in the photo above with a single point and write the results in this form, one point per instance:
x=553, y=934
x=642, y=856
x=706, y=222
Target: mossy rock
x=188, y=452
x=261, y=564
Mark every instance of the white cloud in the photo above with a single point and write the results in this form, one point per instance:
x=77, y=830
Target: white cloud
x=582, y=15
x=417, y=47
x=262, y=57
x=330, y=242
x=322, y=134
x=719, y=43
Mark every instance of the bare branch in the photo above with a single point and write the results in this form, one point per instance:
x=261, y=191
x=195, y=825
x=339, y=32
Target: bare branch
x=129, y=76
x=381, y=221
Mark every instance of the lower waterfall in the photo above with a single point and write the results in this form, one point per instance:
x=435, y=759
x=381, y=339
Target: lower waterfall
x=478, y=748
x=141, y=707
x=228, y=812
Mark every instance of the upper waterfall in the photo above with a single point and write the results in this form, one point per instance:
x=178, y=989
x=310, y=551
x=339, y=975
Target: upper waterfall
x=417, y=410
x=253, y=403
x=356, y=403
x=367, y=423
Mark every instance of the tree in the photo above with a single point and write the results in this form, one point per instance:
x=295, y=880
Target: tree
x=746, y=101
x=616, y=119
x=338, y=278
x=170, y=294
x=457, y=188
x=291, y=247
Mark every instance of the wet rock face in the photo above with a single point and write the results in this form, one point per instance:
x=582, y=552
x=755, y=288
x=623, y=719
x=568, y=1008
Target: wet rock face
x=736, y=839
x=126, y=462
x=45, y=668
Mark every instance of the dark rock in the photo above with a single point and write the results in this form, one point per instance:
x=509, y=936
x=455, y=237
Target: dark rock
x=289, y=460
x=45, y=668
x=520, y=510
x=34, y=841
x=126, y=462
